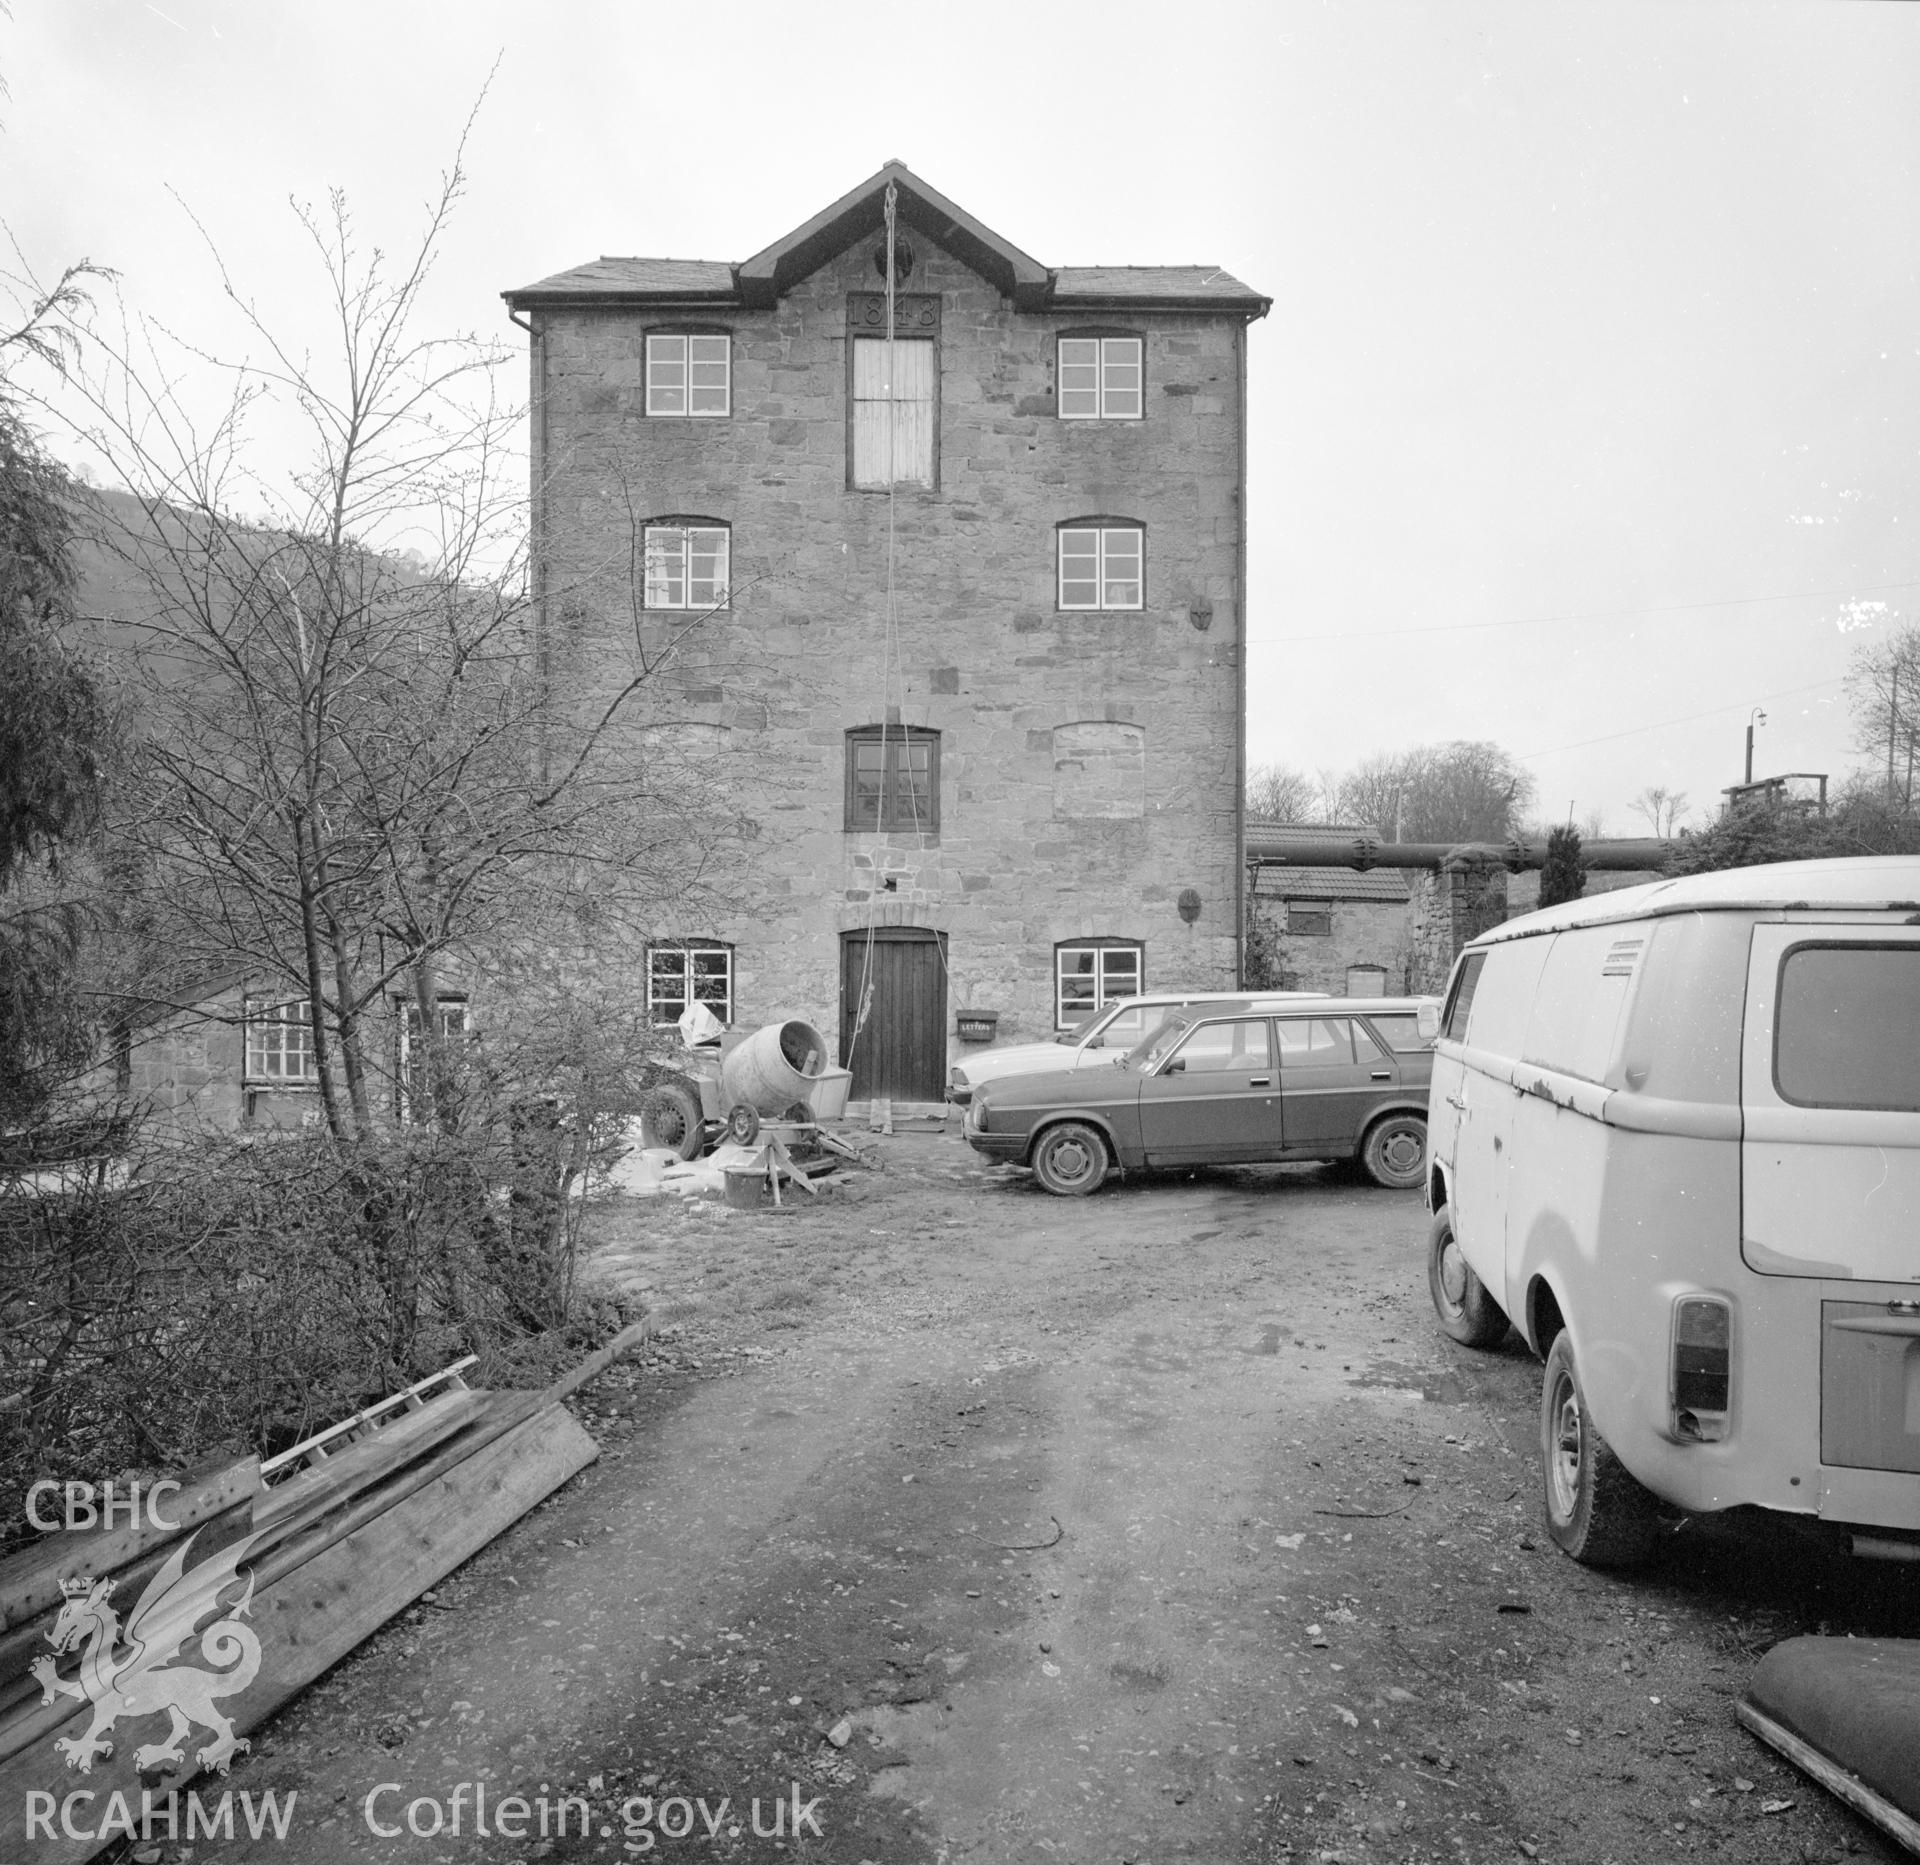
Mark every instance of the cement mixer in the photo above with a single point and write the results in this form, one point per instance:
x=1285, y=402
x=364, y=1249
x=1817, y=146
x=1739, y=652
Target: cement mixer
x=779, y=1076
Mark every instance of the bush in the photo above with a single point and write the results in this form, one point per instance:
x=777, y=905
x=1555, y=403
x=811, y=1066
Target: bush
x=1864, y=821
x=244, y=1294
x=1563, y=875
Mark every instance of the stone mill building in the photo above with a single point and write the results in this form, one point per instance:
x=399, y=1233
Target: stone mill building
x=969, y=587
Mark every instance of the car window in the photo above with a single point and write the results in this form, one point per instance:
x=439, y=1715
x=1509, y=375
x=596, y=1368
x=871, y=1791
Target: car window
x=1155, y=1044
x=1460, y=1004
x=1848, y=1028
x=1215, y=1047
x=1400, y=1034
x=1366, y=1049
x=1125, y=1027
x=1318, y=1042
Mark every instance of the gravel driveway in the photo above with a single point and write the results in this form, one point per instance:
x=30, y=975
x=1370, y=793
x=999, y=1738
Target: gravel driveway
x=976, y=1524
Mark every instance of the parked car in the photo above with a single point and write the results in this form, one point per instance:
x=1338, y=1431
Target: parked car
x=1106, y=1037
x=1229, y=1084
x=1676, y=1141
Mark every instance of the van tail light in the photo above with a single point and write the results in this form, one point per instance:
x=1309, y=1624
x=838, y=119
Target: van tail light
x=1702, y=1382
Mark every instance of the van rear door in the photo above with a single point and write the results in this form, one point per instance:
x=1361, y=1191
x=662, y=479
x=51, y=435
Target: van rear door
x=1830, y=1102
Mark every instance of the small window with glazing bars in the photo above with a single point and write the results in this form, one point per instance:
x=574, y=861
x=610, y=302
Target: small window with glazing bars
x=1100, y=379
x=690, y=373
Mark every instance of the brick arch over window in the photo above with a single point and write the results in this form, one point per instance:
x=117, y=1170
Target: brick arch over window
x=1100, y=769
x=1100, y=562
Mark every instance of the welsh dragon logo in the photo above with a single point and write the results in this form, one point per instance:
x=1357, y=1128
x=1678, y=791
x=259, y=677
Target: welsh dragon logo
x=127, y=1673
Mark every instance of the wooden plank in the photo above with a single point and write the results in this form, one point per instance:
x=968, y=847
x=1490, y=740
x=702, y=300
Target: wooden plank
x=311, y=1618
x=345, y=1471
x=1835, y=1779
x=307, y=1514
x=372, y=1417
x=599, y=1360
x=30, y=1580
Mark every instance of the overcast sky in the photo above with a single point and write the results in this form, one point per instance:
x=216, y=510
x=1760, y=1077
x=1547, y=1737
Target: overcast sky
x=1585, y=417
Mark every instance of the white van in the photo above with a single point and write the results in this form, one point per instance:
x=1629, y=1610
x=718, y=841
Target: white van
x=1674, y=1137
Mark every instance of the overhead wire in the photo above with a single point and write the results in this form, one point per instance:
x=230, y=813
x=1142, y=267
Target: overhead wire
x=1594, y=615
x=1688, y=718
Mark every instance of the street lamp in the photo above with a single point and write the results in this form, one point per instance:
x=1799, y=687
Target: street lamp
x=1756, y=717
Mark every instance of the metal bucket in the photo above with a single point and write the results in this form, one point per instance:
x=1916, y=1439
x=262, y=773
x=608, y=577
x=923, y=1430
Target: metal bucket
x=774, y=1067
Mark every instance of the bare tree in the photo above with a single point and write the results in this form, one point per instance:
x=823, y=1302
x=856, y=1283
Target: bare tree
x=1662, y=808
x=1883, y=686
x=1279, y=793
x=1465, y=791
x=360, y=778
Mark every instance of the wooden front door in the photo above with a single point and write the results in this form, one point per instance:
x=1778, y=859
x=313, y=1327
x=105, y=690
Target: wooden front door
x=899, y=1050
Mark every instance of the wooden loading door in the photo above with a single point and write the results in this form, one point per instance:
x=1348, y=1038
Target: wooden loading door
x=901, y=1050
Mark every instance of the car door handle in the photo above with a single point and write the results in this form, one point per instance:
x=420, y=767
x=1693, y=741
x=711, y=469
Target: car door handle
x=1261, y=1081
x=1455, y=1101
x=1383, y=1074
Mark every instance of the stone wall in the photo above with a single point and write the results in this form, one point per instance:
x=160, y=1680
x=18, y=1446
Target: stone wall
x=1448, y=909
x=1363, y=932
x=1088, y=762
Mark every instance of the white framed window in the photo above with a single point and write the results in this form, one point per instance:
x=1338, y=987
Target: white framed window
x=911, y=395
x=279, y=1044
x=686, y=566
x=412, y=1091
x=1102, y=566
x=690, y=374
x=1100, y=379
x=1090, y=974
x=689, y=973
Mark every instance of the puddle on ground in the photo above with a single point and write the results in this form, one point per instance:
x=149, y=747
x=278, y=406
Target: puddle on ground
x=1436, y=1385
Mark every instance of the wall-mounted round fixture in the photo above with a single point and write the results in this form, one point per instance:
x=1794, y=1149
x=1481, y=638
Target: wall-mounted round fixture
x=1189, y=904
x=902, y=259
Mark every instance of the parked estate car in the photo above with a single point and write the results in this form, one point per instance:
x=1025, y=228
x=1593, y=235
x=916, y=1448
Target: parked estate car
x=1229, y=1084
x=1676, y=1141
x=1105, y=1037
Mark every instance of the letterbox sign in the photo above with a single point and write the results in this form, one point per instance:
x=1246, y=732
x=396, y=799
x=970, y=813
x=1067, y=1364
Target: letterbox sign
x=915, y=313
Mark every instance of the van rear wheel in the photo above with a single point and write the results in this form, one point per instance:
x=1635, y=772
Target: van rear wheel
x=1460, y=1298
x=1596, y=1511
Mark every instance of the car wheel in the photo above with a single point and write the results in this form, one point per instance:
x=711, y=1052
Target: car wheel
x=1595, y=1509
x=1460, y=1298
x=1395, y=1152
x=1070, y=1160
x=670, y=1117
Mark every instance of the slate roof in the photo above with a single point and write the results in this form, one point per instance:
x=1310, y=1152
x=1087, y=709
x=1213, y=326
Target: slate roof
x=760, y=279
x=1104, y=284
x=1388, y=884
x=614, y=277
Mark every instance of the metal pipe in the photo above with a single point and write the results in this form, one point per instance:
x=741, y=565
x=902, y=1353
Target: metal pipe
x=1297, y=848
